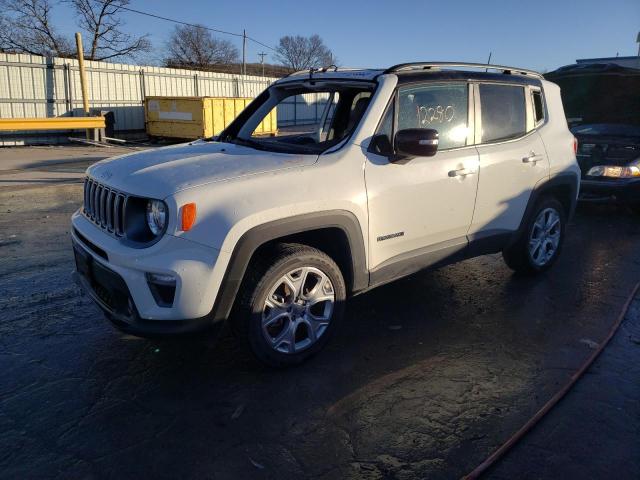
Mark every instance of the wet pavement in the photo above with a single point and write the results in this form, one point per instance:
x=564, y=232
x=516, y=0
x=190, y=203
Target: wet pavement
x=427, y=376
x=594, y=432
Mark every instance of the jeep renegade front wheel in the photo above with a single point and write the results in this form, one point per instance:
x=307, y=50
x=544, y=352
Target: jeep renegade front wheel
x=541, y=240
x=291, y=301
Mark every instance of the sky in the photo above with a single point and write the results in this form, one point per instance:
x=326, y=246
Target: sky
x=541, y=35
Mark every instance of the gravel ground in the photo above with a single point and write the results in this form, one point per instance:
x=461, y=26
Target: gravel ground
x=427, y=376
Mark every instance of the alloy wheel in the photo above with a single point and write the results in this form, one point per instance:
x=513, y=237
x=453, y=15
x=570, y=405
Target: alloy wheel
x=298, y=309
x=545, y=237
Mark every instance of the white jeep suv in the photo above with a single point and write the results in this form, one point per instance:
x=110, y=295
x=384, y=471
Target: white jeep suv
x=415, y=166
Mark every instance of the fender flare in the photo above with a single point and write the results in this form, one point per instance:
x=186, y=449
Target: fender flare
x=257, y=236
x=570, y=180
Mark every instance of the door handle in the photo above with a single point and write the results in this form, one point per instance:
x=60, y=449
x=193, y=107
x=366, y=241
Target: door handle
x=461, y=172
x=532, y=158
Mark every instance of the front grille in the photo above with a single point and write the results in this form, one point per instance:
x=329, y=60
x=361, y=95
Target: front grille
x=104, y=206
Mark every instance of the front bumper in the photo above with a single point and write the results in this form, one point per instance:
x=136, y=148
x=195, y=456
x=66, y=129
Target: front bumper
x=109, y=296
x=626, y=190
x=116, y=279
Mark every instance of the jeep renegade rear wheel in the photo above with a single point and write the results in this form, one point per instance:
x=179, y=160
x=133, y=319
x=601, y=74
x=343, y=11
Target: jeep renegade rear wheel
x=540, y=243
x=291, y=301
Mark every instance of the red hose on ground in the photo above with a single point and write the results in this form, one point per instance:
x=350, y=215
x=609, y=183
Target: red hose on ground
x=495, y=456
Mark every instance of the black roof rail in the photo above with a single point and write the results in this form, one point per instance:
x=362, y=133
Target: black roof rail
x=313, y=70
x=407, y=67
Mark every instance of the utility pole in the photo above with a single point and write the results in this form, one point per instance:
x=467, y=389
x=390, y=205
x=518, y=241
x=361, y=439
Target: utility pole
x=83, y=75
x=83, y=78
x=638, y=42
x=262, y=55
x=244, y=52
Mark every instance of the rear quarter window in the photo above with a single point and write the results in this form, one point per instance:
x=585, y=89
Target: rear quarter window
x=538, y=107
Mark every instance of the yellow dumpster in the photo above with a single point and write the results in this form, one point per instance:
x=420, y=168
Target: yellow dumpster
x=198, y=117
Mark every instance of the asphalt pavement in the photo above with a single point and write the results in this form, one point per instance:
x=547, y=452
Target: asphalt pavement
x=25, y=166
x=427, y=376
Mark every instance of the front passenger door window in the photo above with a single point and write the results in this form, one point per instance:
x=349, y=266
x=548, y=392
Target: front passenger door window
x=440, y=107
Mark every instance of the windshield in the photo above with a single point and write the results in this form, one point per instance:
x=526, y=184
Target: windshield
x=303, y=117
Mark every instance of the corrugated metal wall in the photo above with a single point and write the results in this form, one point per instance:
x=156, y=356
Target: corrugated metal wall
x=34, y=86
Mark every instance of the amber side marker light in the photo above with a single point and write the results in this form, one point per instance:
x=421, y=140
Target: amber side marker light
x=188, y=216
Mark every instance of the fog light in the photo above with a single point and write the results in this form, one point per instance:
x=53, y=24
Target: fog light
x=163, y=288
x=161, y=278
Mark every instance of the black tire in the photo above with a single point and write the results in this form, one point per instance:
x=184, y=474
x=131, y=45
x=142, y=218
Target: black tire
x=261, y=276
x=517, y=255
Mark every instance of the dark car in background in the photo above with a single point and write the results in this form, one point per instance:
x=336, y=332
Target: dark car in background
x=602, y=103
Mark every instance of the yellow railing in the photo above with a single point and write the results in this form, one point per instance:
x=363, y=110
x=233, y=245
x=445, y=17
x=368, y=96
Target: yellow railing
x=56, y=123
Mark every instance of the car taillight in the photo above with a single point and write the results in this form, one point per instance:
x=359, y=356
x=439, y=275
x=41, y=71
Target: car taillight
x=575, y=146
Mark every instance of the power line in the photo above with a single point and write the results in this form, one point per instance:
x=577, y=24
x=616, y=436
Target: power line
x=262, y=44
x=167, y=19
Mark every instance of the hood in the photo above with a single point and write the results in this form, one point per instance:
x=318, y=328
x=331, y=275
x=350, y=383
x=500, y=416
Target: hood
x=599, y=93
x=158, y=173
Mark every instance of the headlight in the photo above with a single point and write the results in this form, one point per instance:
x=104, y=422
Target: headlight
x=614, y=172
x=156, y=216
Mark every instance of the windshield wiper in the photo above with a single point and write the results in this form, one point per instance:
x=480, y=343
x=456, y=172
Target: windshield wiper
x=271, y=146
x=248, y=143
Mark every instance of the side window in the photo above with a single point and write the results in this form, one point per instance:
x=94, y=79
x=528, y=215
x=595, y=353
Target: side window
x=538, y=107
x=503, y=112
x=361, y=98
x=326, y=132
x=441, y=107
x=382, y=143
x=358, y=105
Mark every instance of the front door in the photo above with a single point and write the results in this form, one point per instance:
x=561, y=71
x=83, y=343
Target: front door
x=420, y=209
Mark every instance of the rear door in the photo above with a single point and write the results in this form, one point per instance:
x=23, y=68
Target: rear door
x=513, y=158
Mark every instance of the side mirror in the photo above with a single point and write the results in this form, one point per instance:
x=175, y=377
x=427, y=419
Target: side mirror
x=416, y=142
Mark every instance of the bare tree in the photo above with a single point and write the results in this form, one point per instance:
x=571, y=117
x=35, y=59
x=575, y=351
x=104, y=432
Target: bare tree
x=301, y=53
x=103, y=24
x=196, y=47
x=25, y=27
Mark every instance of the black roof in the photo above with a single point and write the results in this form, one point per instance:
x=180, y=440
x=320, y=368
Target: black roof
x=412, y=76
